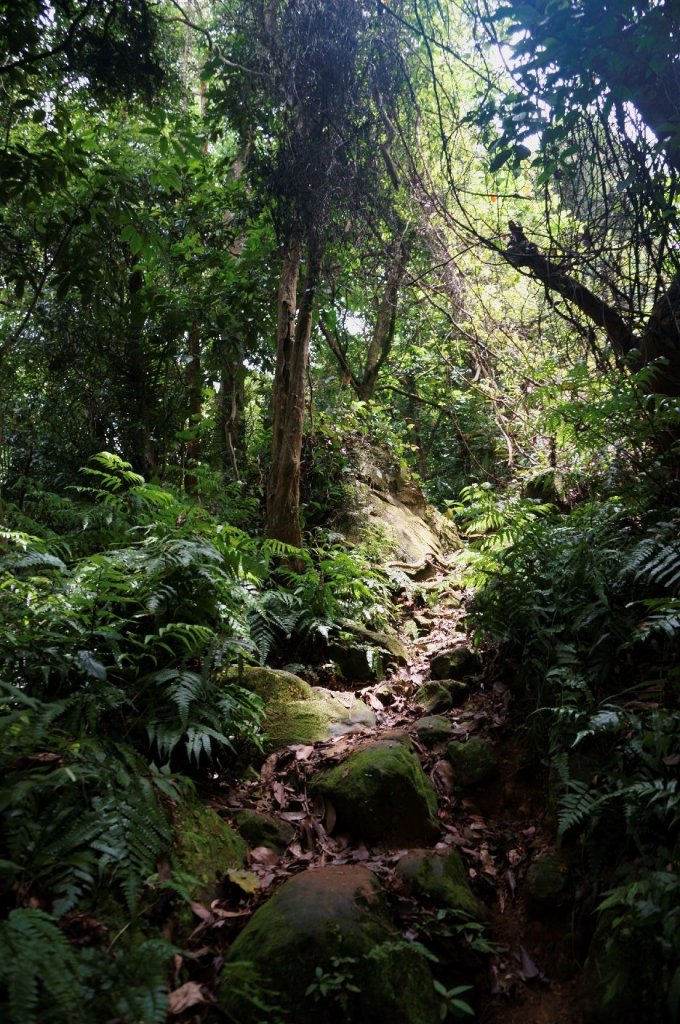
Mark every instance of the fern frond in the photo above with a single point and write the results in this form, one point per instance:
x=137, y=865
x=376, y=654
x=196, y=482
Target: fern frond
x=37, y=961
x=133, y=832
x=576, y=804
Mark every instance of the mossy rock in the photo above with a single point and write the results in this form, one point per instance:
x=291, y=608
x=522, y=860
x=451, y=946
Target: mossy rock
x=424, y=623
x=457, y=690
x=545, y=884
x=440, y=877
x=334, y=919
x=263, y=829
x=441, y=695
x=296, y=712
x=403, y=534
x=432, y=697
x=363, y=655
x=474, y=762
x=433, y=729
x=206, y=847
x=460, y=661
x=381, y=794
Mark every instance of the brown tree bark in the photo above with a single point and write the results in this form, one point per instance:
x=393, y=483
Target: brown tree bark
x=294, y=329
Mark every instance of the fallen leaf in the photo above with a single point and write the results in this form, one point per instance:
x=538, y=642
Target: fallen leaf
x=266, y=879
x=187, y=995
x=442, y=776
x=530, y=970
x=200, y=911
x=279, y=793
x=264, y=855
x=228, y=914
x=247, y=881
x=268, y=768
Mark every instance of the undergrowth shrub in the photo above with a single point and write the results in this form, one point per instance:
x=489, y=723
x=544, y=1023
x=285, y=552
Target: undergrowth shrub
x=585, y=613
x=120, y=612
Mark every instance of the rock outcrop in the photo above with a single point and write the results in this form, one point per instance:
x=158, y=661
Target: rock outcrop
x=323, y=948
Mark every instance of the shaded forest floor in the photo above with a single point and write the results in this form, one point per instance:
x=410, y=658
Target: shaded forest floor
x=529, y=972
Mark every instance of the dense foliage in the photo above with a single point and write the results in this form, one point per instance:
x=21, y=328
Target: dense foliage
x=243, y=247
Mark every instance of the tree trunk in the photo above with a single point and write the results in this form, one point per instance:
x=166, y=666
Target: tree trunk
x=139, y=446
x=385, y=324
x=288, y=398
x=231, y=438
x=382, y=338
x=194, y=383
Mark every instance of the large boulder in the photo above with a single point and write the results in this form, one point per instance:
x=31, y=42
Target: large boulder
x=408, y=532
x=474, y=762
x=439, y=876
x=260, y=829
x=433, y=729
x=459, y=661
x=545, y=884
x=324, y=949
x=380, y=793
x=363, y=655
x=205, y=848
x=295, y=712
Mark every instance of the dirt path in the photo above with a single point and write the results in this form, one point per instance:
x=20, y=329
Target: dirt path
x=499, y=830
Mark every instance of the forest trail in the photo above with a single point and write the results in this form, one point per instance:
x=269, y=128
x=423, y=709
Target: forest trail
x=529, y=974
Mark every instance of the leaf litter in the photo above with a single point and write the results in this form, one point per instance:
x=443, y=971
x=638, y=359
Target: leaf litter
x=498, y=833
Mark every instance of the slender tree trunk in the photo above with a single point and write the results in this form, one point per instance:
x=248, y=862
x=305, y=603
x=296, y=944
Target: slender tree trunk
x=382, y=338
x=231, y=437
x=288, y=399
x=140, y=448
x=386, y=321
x=194, y=384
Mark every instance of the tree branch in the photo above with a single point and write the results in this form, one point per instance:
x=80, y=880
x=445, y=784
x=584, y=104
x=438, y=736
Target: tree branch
x=525, y=255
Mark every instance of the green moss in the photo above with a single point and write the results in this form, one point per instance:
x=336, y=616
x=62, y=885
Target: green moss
x=205, y=848
x=314, y=920
x=460, y=661
x=545, y=883
x=433, y=729
x=381, y=793
x=457, y=690
x=475, y=762
x=433, y=697
x=440, y=695
x=295, y=712
x=362, y=654
x=441, y=878
x=263, y=829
